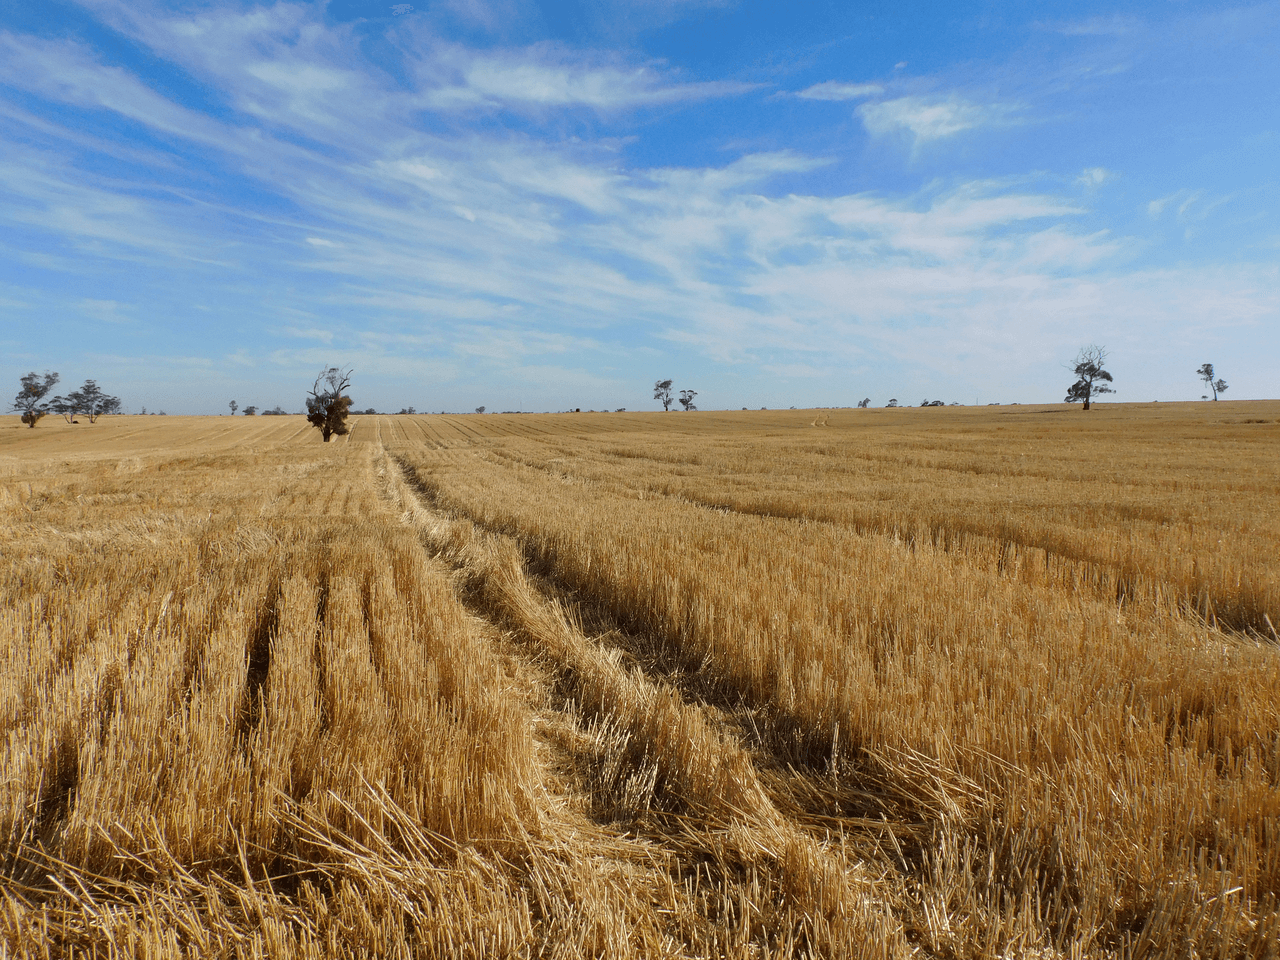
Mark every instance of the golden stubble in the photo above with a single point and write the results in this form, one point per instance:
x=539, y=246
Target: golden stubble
x=973, y=682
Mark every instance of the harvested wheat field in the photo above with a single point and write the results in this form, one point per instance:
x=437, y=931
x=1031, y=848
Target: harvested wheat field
x=992, y=682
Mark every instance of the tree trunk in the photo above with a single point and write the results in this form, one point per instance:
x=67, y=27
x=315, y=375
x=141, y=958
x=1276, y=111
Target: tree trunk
x=1086, y=404
x=326, y=431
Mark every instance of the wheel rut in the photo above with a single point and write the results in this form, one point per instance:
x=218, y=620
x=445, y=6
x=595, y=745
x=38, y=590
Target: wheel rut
x=635, y=747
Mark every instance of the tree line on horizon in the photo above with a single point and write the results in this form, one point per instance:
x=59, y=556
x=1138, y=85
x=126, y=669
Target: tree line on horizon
x=328, y=405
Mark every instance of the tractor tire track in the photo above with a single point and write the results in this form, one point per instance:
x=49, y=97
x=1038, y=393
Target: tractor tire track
x=647, y=756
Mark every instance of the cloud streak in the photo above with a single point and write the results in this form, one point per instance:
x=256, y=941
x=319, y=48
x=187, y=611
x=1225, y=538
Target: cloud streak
x=835, y=90
x=927, y=119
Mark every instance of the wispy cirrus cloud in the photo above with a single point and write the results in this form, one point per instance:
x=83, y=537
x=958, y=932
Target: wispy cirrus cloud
x=926, y=119
x=547, y=77
x=835, y=90
x=1094, y=177
x=1187, y=205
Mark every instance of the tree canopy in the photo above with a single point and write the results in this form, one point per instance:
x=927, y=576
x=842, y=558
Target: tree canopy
x=1091, y=377
x=1206, y=374
x=662, y=391
x=328, y=405
x=30, y=399
x=88, y=400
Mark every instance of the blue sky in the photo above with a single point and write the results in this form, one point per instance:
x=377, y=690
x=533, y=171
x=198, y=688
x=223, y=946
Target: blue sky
x=541, y=206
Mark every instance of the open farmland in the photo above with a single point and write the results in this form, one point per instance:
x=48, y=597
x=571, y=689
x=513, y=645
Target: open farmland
x=942, y=682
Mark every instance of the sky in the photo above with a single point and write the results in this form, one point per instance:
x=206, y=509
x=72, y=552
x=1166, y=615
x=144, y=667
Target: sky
x=551, y=205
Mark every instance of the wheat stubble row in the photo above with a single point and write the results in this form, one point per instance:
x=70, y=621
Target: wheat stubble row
x=1113, y=764
x=245, y=714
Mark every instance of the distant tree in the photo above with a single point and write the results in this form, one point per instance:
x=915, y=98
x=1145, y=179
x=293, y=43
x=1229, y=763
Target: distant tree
x=30, y=399
x=250, y=411
x=89, y=400
x=662, y=391
x=407, y=410
x=276, y=411
x=95, y=403
x=686, y=399
x=67, y=407
x=233, y=405
x=328, y=405
x=1091, y=377
x=479, y=409
x=864, y=403
x=1206, y=374
x=892, y=403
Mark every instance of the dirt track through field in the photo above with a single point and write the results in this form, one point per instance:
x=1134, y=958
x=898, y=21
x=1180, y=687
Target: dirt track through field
x=646, y=757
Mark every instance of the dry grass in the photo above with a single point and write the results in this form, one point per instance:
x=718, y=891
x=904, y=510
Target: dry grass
x=972, y=683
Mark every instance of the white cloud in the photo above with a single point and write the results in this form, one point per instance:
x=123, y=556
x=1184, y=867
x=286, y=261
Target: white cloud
x=545, y=78
x=835, y=90
x=309, y=333
x=69, y=73
x=1189, y=206
x=320, y=242
x=1094, y=177
x=927, y=118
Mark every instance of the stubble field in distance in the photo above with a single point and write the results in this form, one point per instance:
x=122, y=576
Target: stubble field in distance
x=959, y=682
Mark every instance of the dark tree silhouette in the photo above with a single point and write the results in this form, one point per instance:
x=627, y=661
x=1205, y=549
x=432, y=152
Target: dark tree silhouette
x=89, y=400
x=864, y=403
x=662, y=391
x=67, y=407
x=328, y=405
x=686, y=399
x=233, y=405
x=30, y=399
x=1206, y=374
x=1091, y=377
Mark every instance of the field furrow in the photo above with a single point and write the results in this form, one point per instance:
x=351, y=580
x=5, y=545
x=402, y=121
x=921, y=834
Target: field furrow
x=668, y=767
